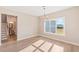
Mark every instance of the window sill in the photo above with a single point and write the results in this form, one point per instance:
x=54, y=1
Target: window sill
x=54, y=33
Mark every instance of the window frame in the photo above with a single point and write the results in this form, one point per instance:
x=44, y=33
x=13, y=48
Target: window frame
x=54, y=19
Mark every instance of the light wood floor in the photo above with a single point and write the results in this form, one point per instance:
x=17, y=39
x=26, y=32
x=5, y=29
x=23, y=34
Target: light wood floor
x=38, y=44
x=9, y=39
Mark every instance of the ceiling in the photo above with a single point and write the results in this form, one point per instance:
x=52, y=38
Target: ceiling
x=36, y=10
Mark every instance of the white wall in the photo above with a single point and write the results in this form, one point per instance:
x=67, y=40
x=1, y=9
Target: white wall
x=26, y=24
x=71, y=25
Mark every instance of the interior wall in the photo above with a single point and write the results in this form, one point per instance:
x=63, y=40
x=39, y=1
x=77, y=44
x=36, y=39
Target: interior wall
x=26, y=24
x=71, y=25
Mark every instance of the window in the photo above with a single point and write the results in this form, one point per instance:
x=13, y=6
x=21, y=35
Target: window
x=47, y=29
x=60, y=25
x=54, y=26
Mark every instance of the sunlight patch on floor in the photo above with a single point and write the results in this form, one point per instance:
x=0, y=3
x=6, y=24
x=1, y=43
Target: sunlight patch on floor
x=38, y=43
x=46, y=46
x=41, y=45
x=28, y=49
x=57, y=48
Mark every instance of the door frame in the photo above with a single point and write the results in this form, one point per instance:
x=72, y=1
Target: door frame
x=6, y=19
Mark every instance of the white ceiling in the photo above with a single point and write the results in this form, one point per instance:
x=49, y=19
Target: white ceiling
x=36, y=10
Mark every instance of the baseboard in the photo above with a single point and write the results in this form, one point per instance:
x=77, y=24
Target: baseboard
x=29, y=36
x=72, y=43
x=35, y=35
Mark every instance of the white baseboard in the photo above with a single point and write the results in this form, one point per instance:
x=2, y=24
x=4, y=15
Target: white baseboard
x=34, y=35
x=29, y=36
x=76, y=44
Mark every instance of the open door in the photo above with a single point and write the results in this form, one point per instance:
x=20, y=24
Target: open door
x=8, y=28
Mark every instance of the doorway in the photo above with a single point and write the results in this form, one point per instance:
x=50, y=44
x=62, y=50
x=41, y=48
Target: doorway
x=8, y=28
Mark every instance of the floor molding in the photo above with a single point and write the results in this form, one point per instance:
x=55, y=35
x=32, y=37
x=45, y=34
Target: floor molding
x=30, y=36
x=72, y=43
x=76, y=44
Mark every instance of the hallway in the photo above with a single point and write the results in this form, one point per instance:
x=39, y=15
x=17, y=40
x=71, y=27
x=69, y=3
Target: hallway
x=8, y=28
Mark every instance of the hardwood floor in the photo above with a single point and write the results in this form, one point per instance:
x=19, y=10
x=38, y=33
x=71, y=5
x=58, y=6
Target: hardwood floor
x=38, y=44
x=9, y=39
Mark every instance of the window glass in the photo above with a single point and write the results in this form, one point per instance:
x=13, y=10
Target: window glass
x=53, y=26
x=60, y=25
x=47, y=26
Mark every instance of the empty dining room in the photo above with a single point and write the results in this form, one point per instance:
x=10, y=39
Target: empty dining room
x=39, y=29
